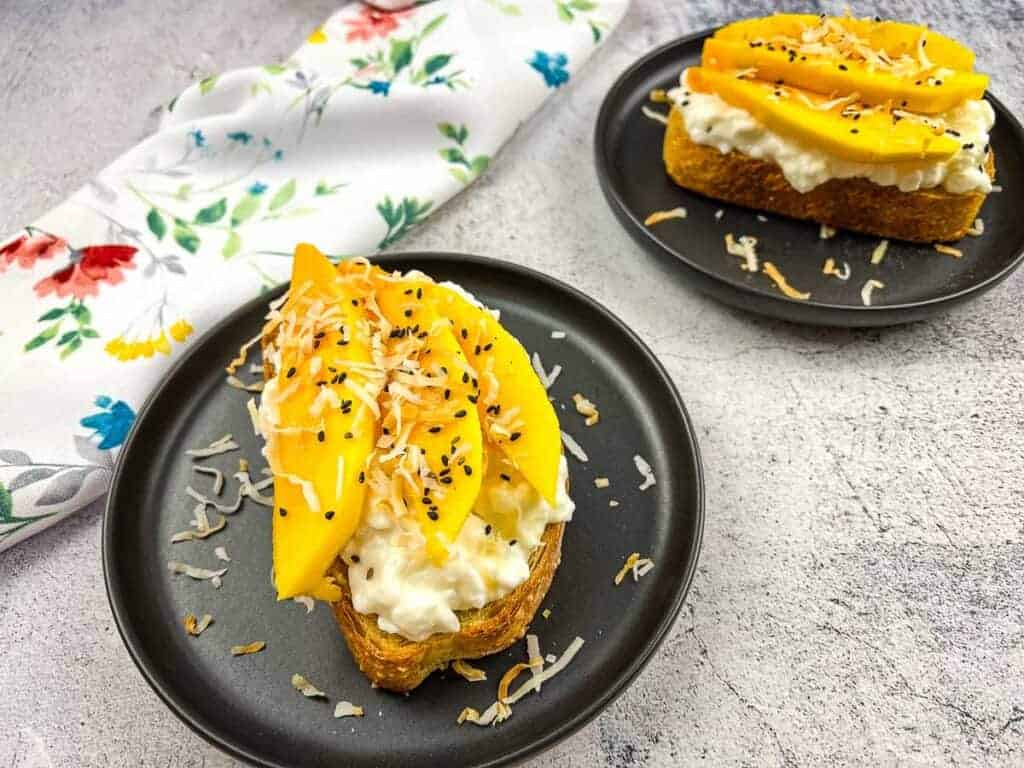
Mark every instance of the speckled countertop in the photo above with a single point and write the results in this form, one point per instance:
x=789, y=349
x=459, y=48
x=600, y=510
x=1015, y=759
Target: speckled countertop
x=859, y=597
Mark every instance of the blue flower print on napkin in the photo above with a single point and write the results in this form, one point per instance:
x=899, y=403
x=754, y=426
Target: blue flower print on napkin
x=551, y=66
x=111, y=424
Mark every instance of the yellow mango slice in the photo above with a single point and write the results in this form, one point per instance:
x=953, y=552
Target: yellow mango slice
x=874, y=138
x=514, y=408
x=320, y=457
x=928, y=95
x=894, y=38
x=431, y=408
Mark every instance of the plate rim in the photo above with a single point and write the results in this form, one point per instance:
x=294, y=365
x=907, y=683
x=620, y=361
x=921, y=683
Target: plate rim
x=546, y=739
x=782, y=307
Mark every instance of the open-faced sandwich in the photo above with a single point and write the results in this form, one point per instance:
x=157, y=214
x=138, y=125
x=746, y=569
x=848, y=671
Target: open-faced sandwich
x=861, y=124
x=419, y=483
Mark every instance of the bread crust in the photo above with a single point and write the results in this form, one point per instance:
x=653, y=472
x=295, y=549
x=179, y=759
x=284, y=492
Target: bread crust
x=859, y=205
x=396, y=664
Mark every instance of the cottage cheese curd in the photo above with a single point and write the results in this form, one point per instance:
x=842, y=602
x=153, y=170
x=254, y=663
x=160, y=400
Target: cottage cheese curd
x=391, y=576
x=711, y=121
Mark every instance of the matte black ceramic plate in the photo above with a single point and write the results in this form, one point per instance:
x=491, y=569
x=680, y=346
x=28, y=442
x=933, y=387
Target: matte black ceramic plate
x=919, y=282
x=247, y=706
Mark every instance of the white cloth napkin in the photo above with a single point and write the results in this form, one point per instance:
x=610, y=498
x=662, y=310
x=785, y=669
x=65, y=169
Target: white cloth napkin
x=373, y=123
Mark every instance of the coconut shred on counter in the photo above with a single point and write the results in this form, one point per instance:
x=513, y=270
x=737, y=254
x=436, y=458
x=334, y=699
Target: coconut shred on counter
x=390, y=574
x=711, y=121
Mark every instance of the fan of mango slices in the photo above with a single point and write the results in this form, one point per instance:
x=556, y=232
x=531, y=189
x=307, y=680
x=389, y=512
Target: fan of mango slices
x=399, y=390
x=860, y=89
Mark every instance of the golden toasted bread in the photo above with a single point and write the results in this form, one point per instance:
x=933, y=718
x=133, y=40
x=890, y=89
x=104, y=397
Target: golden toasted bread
x=397, y=664
x=925, y=216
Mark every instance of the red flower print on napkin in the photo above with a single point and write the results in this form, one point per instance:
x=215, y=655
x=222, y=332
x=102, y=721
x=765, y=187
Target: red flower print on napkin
x=89, y=267
x=27, y=249
x=372, y=23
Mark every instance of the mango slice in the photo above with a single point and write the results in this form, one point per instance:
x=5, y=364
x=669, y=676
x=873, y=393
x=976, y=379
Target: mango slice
x=513, y=404
x=894, y=38
x=331, y=450
x=928, y=95
x=875, y=137
x=439, y=417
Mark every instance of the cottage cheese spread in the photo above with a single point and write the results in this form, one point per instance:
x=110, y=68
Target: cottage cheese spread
x=390, y=574
x=711, y=121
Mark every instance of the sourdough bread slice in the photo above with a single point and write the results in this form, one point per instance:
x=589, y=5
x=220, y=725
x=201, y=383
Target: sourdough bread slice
x=859, y=205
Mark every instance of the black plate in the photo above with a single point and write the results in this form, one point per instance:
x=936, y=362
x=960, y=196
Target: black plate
x=247, y=706
x=919, y=281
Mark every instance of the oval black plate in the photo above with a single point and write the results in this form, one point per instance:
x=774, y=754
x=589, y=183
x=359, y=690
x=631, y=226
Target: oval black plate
x=247, y=706
x=919, y=282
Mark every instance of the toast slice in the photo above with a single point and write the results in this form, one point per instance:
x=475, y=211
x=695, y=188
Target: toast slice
x=860, y=205
x=396, y=664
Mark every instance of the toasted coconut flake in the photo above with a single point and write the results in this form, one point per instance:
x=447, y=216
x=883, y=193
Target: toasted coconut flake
x=546, y=613
x=762, y=218
x=306, y=601
x=534, y=658
x=830, y=268
x=248, y=489
x=879, y=253
x=997, y=188
x=658, y=96
x=550, y=658
x=218, y=476
x=866, y=291
x=631, y=561
x=202, y=531
x=227, y=509
x=586, y=408
x=196, y=627
x=200, y=574
x=977, y=229
x=217, y=447
x=826, y=232
x=561, y=334
x=746, y=248
x=601, y=482
x=654, y=114
x=508, y=678
x=547, y=379
x=613, y=503
x=306, y=688
x=574, y=448
x=949, y=250
x=645, y=470
x=249, y=648
x=347, y=709
x=254, y=415
x=468, y=671
x=468, y=714
x=222, y=554
x=643, y=567
x=783, y=285
x=547, y=674
x=719, y=214
x=237, y=383
x=243, y=353
x=657, y=217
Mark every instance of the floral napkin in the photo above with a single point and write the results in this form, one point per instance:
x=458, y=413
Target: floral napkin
x=373, y=123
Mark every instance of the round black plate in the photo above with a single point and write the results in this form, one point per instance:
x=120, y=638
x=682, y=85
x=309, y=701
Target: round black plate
x=919, y=282
x=247, y=706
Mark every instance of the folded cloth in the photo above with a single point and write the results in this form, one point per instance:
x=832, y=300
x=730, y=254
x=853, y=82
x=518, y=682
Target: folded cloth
x=373, y=123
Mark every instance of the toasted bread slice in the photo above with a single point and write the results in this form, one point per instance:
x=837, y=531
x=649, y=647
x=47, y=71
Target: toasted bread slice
x=924, y=216
x=397, y=664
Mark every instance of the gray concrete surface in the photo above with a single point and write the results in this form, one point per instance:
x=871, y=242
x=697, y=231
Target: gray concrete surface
x=859, y=594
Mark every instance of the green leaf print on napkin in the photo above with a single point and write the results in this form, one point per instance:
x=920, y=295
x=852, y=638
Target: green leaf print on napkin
x=463, y=168
x=400, y=218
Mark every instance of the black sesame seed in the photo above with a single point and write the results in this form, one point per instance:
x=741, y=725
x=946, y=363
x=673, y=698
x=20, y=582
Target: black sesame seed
x=505, y=477
x=487, y=530
x=467, y=469
x=854, y=130
x=460, y=414
x=291, y=372
x=419, y=293
x=321, y=436
x=476, y=384
x=408, y=291
x=476, y=350
x=513, y=542
x=969, y=145
x=283, y=512
x=447, y=394
x=355, y=558
x=465, y=333
x=408, y=313
x=434, y=430
x=432, y=514
x=355, y=302
x=843, y=67
x=369, y=573
x=329, y=514
x=349, y=435
x=938, y=82
x=445, y=472
x=444, y=459
x=362, y=477
x=319, y=335
x=473, y=398
x=686, y=102
x=426, y=501
x=488, y=347
x=515, y=436
x=465, y=378
x=446, y=480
